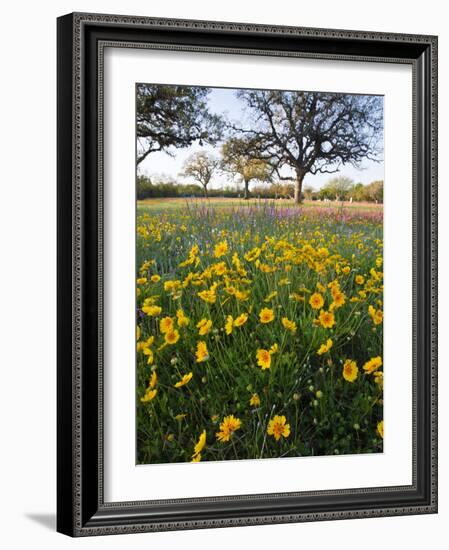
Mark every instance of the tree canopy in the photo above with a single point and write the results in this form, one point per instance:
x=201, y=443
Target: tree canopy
x=201, y=166
x=338, y=188
x=342, y=188
x=239, y=157
x=173, y=117
x=312, y=132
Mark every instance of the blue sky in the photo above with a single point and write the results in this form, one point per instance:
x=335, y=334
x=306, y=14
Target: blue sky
x=224, y=100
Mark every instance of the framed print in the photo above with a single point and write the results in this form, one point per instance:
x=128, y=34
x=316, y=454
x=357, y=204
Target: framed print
x=246, y=274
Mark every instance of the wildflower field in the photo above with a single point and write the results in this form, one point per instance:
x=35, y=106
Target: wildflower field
x=259, y=331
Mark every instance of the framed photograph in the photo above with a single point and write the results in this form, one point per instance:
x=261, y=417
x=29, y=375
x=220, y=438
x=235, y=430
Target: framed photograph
x=246, y=274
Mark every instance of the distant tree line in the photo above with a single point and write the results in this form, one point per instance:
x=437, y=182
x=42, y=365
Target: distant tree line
x=344, y=189
x=336, y=189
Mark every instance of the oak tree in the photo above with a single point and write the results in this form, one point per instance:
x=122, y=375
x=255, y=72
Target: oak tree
x=239, y=157
x=173, y=117
x=339, y=188
x=312, y=132
x=201, y=166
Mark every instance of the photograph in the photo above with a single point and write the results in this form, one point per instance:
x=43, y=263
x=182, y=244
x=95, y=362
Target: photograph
x=259, y=273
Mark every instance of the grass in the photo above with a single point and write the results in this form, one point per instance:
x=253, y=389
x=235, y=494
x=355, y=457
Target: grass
x=261, y=390
x=176, y=203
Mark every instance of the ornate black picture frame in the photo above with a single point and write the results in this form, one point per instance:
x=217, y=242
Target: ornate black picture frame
x=81, y=510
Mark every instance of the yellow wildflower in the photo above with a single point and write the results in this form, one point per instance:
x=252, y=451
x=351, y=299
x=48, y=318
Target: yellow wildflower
x=221, y=249
x=350, y=370
x=229, y=324
x=149, y=395
x=255, y=400
x=324, y=348
x=380, y=428
x=153, y=380
x=172, y=286
x=155, y=278
x=184, y=380
x=201, y=353
x=145, y=266
x=144, y=346
x=339, y=299
x=150, y=392
x=220, y=268
x=204, y=326
x=183, y=320
x=241, y=295
x=166, y=324
x=208, y=296
x=289, y=325
x=372, y=365
x=379, y=378
x=263, y=357
x=241, y=320
x=278, y=427
x=326, y=319
x=150, y=355
x=273, y=349
x=171, y=337
x=271, y=296
x=265, y=268
x=231, y=290
x=199, y=446
x=192, y=259
x=229, y=425
x=152, y=311
x=252, y=254
x=376, y=315
x=316, y=300
x=266, y=315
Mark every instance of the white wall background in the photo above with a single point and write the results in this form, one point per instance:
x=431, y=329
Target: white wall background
x=27, y=289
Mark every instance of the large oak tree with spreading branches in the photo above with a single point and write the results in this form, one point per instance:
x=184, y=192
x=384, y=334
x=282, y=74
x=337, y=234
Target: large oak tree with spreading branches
x=173, y=117
x=312, y=132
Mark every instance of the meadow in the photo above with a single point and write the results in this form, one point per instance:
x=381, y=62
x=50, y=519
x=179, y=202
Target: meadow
x=259, y=330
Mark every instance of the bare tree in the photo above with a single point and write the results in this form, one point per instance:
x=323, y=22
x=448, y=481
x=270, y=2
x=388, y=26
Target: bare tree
x=313, y=132
x=201, y=167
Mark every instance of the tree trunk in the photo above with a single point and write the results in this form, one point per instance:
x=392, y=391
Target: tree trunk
x=246, y=192
x=205, y=191
x=298, y=186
